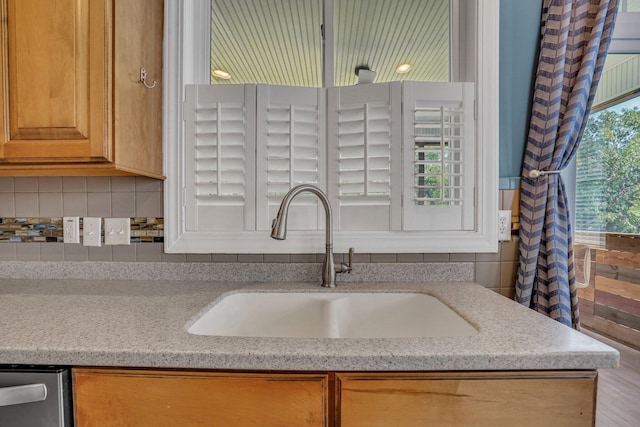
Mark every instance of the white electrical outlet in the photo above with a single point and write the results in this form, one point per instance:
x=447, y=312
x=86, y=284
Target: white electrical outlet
x=117, y=231
x=504, y=225
x=71, y=229
x=91, y=231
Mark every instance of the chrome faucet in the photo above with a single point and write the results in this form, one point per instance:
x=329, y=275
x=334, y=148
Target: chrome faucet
x=279, y=232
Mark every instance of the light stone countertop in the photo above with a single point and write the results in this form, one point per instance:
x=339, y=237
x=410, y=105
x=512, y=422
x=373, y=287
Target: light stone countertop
x=143, y=324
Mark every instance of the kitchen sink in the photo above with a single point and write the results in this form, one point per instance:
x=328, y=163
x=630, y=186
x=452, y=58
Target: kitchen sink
x=330, y=315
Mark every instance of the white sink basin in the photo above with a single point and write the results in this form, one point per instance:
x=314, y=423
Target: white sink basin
x=331, y=315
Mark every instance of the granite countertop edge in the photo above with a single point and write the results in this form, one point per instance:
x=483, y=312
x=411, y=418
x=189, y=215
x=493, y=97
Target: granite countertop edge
x=124, y=323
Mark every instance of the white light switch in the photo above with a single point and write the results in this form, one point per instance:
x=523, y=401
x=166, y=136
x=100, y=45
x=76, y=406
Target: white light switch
x=117, y=231
x=91, y=231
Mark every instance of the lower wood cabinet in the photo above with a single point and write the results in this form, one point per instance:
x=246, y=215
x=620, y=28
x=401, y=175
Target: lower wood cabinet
x=110, y=397
x=139, y=397
x=466, y=399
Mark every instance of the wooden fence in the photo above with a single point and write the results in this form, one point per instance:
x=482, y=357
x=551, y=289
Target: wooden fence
x=611, y=303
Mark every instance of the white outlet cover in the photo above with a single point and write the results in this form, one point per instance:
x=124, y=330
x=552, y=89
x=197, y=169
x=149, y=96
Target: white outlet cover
x=504, y=225
x=117, y=231
x=71, y=229
x=91, y=231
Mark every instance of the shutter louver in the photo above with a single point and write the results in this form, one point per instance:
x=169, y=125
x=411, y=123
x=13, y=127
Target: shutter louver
x=438, y=161
x=364, y=151
x=292, y=148
x=362, y=156
x=219, y=154
x=439, y=156
x=291, y=128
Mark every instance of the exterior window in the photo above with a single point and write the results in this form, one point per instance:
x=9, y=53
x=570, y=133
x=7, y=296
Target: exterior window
x=385, y=34
x=270, y=42
x=320, y=43
x=630, y=6
x=608, y=158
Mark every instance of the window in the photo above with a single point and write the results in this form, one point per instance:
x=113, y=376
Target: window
x=188, y=62
x=608, y=158
x=630, y=6
x=321, y=42
x=607, y=171
x=269, y=42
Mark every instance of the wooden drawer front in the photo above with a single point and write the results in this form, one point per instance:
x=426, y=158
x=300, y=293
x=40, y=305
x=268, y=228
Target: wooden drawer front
x=164, y=398
x=486, y=399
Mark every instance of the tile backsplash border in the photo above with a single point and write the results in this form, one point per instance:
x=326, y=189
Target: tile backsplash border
x=50, y=230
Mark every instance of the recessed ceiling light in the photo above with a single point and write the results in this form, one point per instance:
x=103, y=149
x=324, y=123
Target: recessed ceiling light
x=221, y=74
x=404, y=68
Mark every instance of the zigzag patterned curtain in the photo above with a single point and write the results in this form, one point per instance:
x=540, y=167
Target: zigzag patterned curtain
x=575, y=36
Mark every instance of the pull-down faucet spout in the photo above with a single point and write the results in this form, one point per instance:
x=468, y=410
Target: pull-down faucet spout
x=279, y=232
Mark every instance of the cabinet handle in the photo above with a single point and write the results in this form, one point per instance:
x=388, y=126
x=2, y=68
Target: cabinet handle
x=143, y=79
x=22, y=394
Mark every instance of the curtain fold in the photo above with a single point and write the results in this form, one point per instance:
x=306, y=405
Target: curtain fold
x=575, y=36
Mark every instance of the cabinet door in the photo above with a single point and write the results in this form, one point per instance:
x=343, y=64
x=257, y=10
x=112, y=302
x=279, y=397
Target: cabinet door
x=104, y=398
x=137, y=110
x=53, y=95
x=472, y=399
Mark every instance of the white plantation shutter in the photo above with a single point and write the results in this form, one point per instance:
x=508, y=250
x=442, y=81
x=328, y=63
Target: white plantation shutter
x=439, y=156
x=397, y=161
x=363, y=160
x=291, y=151
x=220, y=157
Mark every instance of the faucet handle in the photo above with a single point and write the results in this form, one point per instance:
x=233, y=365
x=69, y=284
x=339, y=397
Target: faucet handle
x=350, y=265
x=342, y=267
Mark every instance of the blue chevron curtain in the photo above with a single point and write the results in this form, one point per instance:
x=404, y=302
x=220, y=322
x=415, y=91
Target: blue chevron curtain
x=575, y=36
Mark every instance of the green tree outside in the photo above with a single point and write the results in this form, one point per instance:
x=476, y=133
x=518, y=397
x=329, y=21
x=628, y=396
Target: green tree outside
x=608, y=173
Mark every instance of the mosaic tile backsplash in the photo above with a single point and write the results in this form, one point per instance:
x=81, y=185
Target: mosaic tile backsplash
x=50, y=230
x=27, y=230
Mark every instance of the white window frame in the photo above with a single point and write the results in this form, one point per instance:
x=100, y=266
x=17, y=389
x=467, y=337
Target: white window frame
x=186, y=61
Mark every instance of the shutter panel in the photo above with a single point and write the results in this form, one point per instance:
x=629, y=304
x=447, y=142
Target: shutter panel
x=291, y=131
x=439, y=160
x=363, y=163
x=220, y=157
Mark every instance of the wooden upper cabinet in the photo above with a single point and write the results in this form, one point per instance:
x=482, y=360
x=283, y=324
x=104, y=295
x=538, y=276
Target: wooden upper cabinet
x=71, y=98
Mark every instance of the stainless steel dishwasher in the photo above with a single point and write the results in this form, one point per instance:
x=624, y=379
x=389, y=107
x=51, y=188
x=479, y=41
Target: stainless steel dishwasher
x=35, y=396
